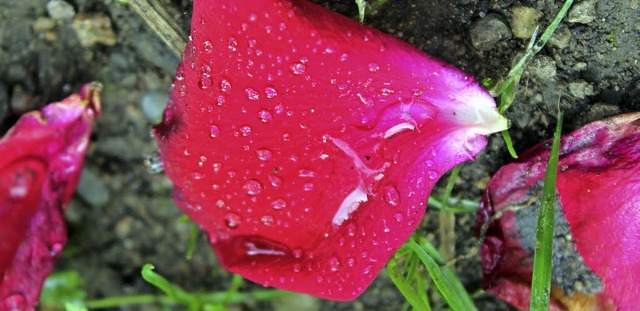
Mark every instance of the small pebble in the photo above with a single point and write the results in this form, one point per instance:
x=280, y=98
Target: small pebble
x=524, y=21
x=94, y=29
x=60, y=10
x=583, y=12
x=580, y=89
x=153, y=104
x=92, y=190
x=542, y=67
x=487, y=32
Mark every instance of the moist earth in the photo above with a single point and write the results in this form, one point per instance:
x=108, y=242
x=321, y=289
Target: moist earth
x=122, y=216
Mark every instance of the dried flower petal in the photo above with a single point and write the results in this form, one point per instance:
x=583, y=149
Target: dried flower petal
x=597, y=235
x=306, y=144
x=42, y=156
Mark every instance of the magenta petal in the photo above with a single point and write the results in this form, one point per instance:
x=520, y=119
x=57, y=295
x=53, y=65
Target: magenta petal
x=42, y=156
x=306, y=144
x=599, y=192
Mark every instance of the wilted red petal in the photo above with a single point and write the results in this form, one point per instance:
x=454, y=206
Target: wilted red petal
x=306, y=144
x=599, y=190
x=42, y=156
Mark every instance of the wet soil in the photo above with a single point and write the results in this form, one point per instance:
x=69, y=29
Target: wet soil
x=123, y=217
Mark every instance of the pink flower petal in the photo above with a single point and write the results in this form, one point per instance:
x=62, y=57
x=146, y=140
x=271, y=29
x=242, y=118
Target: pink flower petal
x=599, y=192
x=306, y=144
x=42, y=156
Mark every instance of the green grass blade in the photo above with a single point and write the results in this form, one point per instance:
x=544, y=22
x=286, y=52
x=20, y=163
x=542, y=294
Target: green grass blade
x=445, y=280
x=509, y=143
x=541, y=282
x=174, y=292
x=404, y=286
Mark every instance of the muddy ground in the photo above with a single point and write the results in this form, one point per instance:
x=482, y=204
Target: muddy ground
x=123, y=217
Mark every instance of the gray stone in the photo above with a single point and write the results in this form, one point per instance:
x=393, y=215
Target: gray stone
x=60, y=10
x=542, y=67
x=561, y=38
x=92, y=190
x=583, y=12
x=487, y=32
x=524, y=21
x=153, y=104
x=580, y=89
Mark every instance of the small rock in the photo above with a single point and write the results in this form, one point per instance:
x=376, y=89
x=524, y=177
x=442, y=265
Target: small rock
x=94, y=29
x=60, y=10
x=44, y=24
x=487, y=32
x=524, y=21
x=580, y=89
x=583, y=12
x=543, y=68
x=153, y=104
x=92, y=190
x=561, y=37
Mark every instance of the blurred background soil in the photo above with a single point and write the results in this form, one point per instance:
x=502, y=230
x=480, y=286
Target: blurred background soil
x=123, y=217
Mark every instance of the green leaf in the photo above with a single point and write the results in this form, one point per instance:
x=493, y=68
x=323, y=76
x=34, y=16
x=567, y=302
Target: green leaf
x=445, y=280
x=361, y=6
x=404, y=286
x=62, y=288
x=541, y=282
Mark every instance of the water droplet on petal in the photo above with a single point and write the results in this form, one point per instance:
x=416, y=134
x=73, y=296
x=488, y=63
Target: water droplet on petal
x=267, y=220
x=304, y=173
x=298, y=68
x=296, y=267
x=275, y=180
x=367, y=269
x=297, y=253
x=252, y=187
x=225, y=86
x=264, y=154
x=344, y=57
x=334, y=264
x=219, y=204
x=278, y=204
x=265, y=116
x=351, y=230
x=373, y=67
x=214, y=131
x=205, y=83
x=233, y=44
x=245, y=130
x=351, y=262
x=391, y=195
x=270, y=92
x=432, y=174
x=398, y=217
x=232, y=220
x=251, y=93
x=308, y=187
x=207, y=46
x=429, y=163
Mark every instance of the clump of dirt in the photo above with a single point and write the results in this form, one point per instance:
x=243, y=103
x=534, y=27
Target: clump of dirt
x=123, y=217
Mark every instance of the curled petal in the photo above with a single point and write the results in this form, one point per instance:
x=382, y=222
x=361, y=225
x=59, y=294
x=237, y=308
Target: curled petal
x=597, y=242
x=42, y=156
x=306, y=144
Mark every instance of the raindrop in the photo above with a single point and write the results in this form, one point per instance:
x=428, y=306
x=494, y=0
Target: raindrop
x=206, y=70
x=225, y=86
x=373, y=67
x=391, y=195
x=252, y=187
x=205, y=83
x=297, y=253
x=429, y=163
x=214, y=131
x=296, y=267
x=367, y=269
x=232, y=220
x=267, y=220
x=153, y=164
x=351, y=262
x=270, y=92
x=344, y=57
x=233, y=44
x=219, y=204
x=298, y=68
x=265, y=116
x=308, y=187
x=398, y=217
x=245, y=130
x=319, y=279
x=264, y=154
x=334, y=264
x=275, y=180
x=251, y=93
x=304, y=173
x=351, y=230
x=386, y=91
x=207, y=46
x=432, y=174
x=217, y=167
x=220, y=100
x=278, y=204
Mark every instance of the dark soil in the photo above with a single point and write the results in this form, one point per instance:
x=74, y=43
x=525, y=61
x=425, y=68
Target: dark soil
x=123, y=217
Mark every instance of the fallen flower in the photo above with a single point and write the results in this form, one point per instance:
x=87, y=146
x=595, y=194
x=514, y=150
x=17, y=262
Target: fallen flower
x=42, y=156
x=306, y=144
x=597, y=232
